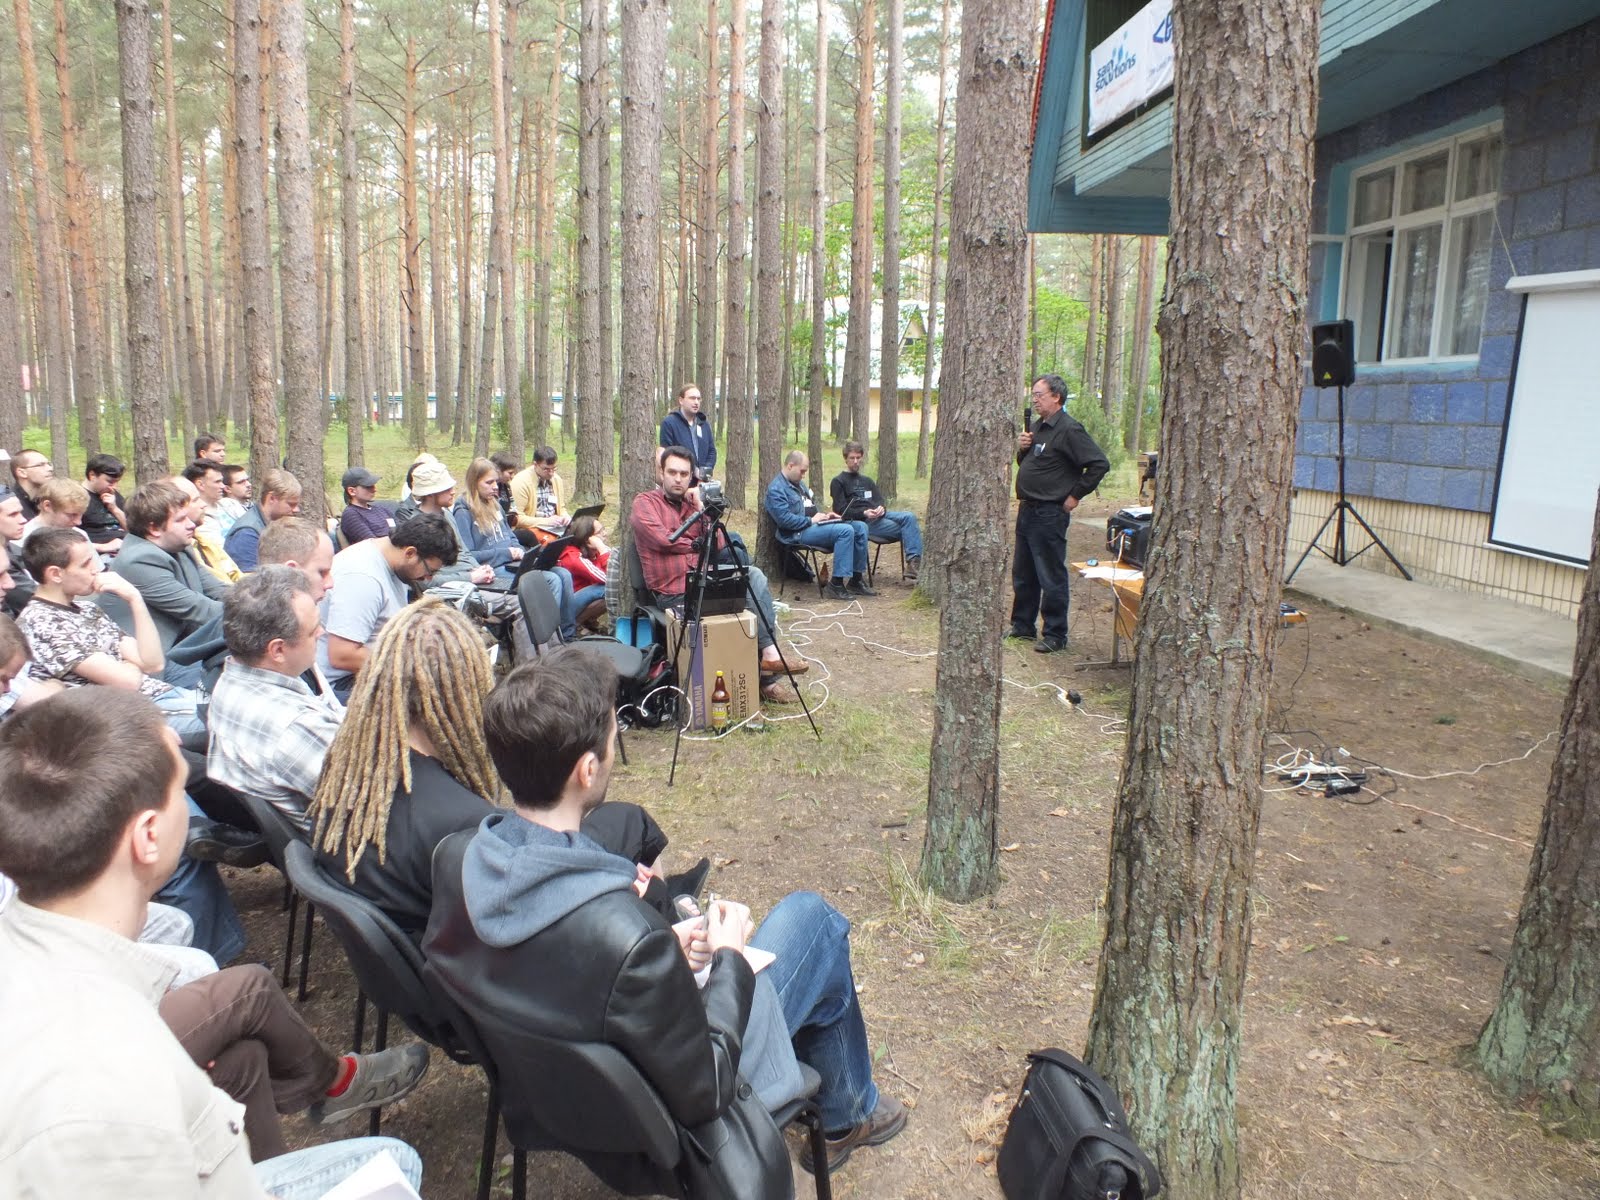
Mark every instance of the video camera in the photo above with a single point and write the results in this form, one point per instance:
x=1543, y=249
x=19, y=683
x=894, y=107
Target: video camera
x=713, y=499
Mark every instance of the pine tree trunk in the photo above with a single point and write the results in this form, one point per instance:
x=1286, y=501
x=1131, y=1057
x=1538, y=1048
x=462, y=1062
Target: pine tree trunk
x=139, y=224
x=1090, y=379
x=770, y=335
x=1165, y=1029
x=819, y=230
x=737, y=389
x=683, y=324
x=706, y=225
x=589, y=472
x=464, y=390
x=47, y=248
x=86, y=353
x=506, y=262
x=254, y=239
x=415, y=385
x=1143, y=316
x=191, y=377
x=931, y=344
x=297, y=283
x=981, y=377
x=608, y=359
x=1542, y=1042
x=1116, y=302
x=13, y=412
x=498, y=233
x=438, y=250
x=544, y=236
x=208, y=308
x=889, y=352
x=644, y=60
x=858, y=334
x=234, y=390
x=355, y=389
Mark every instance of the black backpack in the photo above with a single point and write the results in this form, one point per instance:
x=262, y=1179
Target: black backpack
x=1068, y=1138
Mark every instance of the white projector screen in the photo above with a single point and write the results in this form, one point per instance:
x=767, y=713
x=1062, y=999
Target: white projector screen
x=1550, y=459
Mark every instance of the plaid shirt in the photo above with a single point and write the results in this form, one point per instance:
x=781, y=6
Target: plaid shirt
x=269, y=735
x=666, y=564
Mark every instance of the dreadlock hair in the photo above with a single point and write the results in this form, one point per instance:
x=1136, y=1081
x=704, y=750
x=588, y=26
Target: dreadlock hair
x=430, y=667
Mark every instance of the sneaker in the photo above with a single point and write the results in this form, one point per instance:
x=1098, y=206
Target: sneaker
x=1020, y=635
x=1049, y=645
x=886, y=1121
x=858, y=587
x=212, y=841
x=913, y=568
x=837, y=591
x=380, y=1079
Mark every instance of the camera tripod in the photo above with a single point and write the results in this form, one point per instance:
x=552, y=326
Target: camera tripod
x=712, y=531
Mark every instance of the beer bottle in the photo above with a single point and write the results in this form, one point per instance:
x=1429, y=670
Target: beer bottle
x=719, y=704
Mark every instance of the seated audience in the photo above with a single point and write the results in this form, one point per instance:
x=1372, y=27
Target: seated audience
x=506, y=466
x=360, y=520
x=433, y=493
x=75, y=643
x=12, y=523
x=236, y=493
x=856, y=497
x=16, y=687
x=30, y=470
x=799, y=523
x=269, y=730
x=543, y=931
x=242, y=1031
x=372, y=581
x=211, y=448
x=156, y=557
x=100, y=1098
x=539, y=496
x=205, y=479
x=656, y=515
x=484, y=532
x=405, y=486
x=408, y=769
x=280, y=497
x=103, y=520
x=587, y=560
x=302, y=544
x=61, y=504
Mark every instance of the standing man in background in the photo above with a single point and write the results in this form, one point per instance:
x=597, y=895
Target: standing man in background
x=689, y=428
x=1058, y=464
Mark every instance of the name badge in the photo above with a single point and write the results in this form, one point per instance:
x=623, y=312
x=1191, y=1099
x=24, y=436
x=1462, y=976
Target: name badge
x=867, y=494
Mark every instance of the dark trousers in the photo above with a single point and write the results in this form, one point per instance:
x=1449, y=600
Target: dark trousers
x=1039, y=569
x=240, y=1028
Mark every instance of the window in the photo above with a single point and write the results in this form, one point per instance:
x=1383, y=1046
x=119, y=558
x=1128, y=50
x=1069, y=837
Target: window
x=1419, y=250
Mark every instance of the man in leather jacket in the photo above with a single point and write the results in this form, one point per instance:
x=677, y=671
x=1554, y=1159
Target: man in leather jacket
x=543, y=932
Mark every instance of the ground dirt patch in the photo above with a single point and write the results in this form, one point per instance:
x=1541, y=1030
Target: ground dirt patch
x=1381, y=925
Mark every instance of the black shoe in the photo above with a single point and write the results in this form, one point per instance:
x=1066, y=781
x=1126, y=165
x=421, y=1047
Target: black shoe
x=858, y=587
x=689, y=883
x=1020, y=635
x=212, y=841
x=837, y=591
x=1049, y=645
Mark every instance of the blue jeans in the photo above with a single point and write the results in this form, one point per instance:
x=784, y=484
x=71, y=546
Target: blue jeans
x=198, y=890
x=845, y=540
x=180, y=707
x=311, y=1173
x=559, y=580
x=818, y=995
x=899, y=527
x=585, y=596
x=1039, y=570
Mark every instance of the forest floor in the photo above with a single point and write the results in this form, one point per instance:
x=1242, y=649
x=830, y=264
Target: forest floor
x=1382, y=921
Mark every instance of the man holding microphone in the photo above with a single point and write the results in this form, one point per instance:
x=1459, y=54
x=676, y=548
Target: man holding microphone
x=1058, y=464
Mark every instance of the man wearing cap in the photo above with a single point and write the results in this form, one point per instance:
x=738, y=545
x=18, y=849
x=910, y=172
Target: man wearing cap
x=360, y=520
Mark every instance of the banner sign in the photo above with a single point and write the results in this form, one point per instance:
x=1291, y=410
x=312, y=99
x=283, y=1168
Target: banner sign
x=1130, y=66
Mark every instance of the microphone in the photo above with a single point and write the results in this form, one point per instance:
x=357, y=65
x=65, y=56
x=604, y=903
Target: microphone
x=697, y=515
x=1027, y=418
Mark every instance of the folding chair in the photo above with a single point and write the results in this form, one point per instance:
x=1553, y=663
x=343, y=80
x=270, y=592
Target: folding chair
x=878, y=542
x=280, y=833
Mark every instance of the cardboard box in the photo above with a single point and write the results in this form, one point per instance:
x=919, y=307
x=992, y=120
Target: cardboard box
x=722, y=643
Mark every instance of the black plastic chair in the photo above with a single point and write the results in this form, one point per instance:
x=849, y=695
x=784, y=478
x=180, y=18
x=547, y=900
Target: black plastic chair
x=389, y=969
x=280, y=833
x=878, y=542
x=644, y=604
x=820, y=562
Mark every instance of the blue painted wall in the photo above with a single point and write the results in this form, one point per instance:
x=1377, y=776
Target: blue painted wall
x=1431, y=434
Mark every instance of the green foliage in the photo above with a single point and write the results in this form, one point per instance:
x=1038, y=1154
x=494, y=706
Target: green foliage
x=1100, y=427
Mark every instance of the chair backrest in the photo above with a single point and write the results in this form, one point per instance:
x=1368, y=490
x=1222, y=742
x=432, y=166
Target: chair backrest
x=636, y=570
x=386, y=964
x=541, y=615
x=276, y=828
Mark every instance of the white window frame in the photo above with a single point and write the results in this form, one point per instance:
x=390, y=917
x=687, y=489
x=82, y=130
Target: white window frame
x=1396, y=225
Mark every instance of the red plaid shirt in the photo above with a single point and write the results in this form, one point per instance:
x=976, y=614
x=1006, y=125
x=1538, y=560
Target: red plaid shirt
x=666, y=564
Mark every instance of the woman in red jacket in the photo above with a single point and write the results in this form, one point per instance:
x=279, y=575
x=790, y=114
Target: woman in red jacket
x=586, y=559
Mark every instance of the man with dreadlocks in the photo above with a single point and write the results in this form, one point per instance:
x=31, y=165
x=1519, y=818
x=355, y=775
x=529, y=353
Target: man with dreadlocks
x=409, y=767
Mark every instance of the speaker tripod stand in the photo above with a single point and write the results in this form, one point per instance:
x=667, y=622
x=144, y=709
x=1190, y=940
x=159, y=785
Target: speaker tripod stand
x=1341, y=555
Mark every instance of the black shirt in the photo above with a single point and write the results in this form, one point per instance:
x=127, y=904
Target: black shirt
x=858, y=492
x=1063, y=461
x=98, y=522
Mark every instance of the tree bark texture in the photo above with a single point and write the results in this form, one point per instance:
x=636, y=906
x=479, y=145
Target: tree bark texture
x=356, y=390
x=500, y=215
x=191, y=380
x=297, y=282
x=544, y=235
x=86, y=354
x=254, y=239
x=1543, y=1038
x=207, y=314
x=979, y=384
x=819, y=234
x=415, y=384
x=706, y=227
x=932, y=323
x=57, y=391
x=858, y=331
x=439, y=281
x=516, y=436
x=1116, y=301
x=889, y=352
x=590, y=472
x=12, y=409
x=736, y=392
x=644, y=65
x=1090, y=378
x=608, y=369
x=139, y=224
x=770, y=329
x=1143, y=314
x=1166, y=1026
